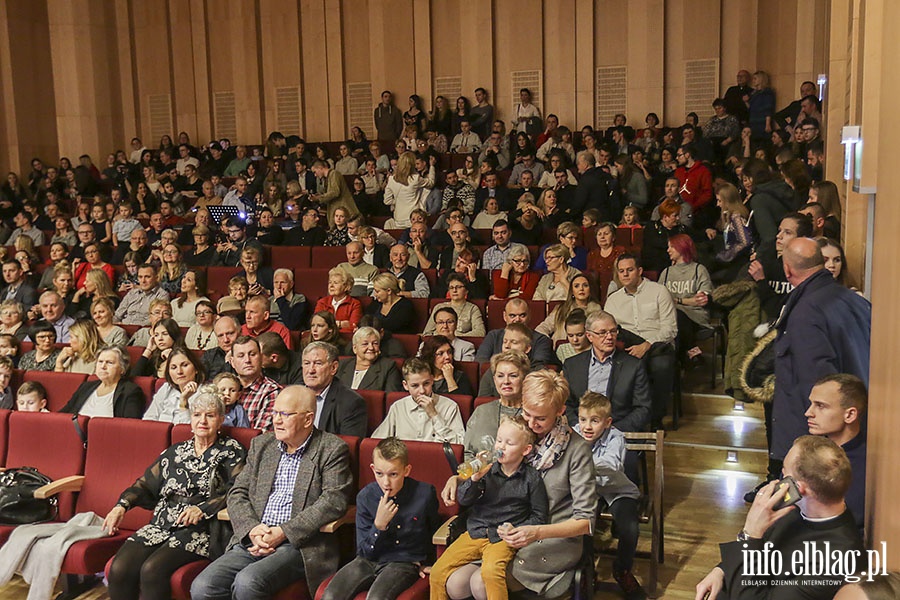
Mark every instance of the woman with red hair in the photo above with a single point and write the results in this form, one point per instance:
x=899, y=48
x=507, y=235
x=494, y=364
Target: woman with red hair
x=658, y=233
x=690, y=285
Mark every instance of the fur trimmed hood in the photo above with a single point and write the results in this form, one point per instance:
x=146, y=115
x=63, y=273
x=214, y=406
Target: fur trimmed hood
x=758, y=369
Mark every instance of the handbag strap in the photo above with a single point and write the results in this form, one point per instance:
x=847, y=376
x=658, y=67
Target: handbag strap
x=79, y=430
x=451, y=458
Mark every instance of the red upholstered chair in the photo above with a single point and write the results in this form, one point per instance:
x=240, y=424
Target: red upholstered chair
x=374, y=408
x=290, y=257
x=119, y=451
x=482, y=400
x=50, y=444
x=328, y=256
x=217, y=278
x=470, y=368
x=134, y=353
x=410, y=342
x=429, y=465
x=421, y=307
x=60, y=386
x=4, y=434
x=624, y=236
x=464, y=402
x=313, y=282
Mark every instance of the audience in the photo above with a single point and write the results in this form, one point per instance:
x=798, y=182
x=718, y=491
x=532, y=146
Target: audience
x=110, y=395
x=183, y=374
x=338, y=409
x=135, y=306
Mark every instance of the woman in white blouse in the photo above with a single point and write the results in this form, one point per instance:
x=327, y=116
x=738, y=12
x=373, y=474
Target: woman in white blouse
x=184, y=373
x=406, y=190
x=555, y=284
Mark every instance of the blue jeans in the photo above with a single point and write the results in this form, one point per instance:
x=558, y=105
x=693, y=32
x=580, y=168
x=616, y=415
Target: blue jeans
x=238, y=574
x=383, y=581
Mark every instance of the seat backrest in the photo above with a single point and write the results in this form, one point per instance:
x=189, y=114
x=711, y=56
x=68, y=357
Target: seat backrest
x=482, y=400
x=4, y=434
x=217, y=278
x=644, y=442
x=328, y=256
x=313, y=282
x=464, y=402
x=623, y=236
x=147, y=385
x=421, y=307
x=428, y=465
x=374, y=408
x=119, y=451
x=49, y=443
x=353, y=443
x=60, y=386
x=244, y=435
x=470, y=369
x=290, y=257
x=410, y=342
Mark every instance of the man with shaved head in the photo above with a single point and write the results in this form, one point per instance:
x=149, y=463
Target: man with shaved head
x=297, y=479
x=824, y=329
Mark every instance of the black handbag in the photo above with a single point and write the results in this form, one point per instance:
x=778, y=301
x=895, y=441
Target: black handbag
x=18, y=506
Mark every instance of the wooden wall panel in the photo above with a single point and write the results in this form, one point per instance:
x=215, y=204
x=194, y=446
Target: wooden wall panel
x=559, y=60
x=128, y=50
x=28, y=125
x=519, y=46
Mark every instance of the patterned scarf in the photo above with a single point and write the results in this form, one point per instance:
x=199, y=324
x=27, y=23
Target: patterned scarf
x=548, y=450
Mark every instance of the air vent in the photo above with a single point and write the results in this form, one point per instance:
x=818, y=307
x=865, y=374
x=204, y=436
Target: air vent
x=225, y=117
x=287, y=110
x=449, y=87
x=611, y=97
x=701, y=85
x=533, y=80
x=161, y=124
x=360, y=107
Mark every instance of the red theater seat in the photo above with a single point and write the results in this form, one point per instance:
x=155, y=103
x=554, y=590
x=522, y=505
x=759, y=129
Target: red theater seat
x=60, y=386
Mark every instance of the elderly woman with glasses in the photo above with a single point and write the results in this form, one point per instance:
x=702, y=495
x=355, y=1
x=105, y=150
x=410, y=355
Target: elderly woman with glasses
x=185, y=488
x=568, y=234
x=555, y=284
x=368, y=369
x=514, y=279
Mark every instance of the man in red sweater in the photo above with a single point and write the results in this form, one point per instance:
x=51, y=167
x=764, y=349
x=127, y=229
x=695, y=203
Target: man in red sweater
x=695, y=181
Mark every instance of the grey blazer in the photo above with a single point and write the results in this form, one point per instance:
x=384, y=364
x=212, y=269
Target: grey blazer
x=322, y=492
x=572, y=491
x=382, y=375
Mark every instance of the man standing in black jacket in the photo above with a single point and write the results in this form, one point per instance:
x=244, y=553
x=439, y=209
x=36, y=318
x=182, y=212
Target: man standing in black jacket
x=592, y=190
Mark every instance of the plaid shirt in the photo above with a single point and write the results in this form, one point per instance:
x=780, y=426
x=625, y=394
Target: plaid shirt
x=258, y=398
x=281, y=500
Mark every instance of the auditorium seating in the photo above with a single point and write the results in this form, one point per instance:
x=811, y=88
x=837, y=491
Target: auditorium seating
x=60, y=386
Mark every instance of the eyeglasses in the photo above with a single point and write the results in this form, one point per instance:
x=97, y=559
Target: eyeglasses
x=519, y=261
x=200, y=313
x=604, y=332
x=285, y=415
x=443, y=323
x=456, y=287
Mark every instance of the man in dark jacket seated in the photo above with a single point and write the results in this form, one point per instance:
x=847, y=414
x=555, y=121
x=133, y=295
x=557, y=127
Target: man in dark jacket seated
x=822, y=474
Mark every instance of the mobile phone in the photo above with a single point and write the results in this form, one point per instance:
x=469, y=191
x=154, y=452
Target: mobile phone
x=791, y=493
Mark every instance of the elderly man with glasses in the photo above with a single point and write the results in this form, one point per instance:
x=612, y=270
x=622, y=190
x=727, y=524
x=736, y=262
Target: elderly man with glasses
x=617, y=375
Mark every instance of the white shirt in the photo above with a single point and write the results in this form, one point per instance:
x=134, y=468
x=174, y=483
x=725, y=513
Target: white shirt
x=166, y=406
x=320, y=404
x=649, y=312
x=98, y=406
x=408, y=421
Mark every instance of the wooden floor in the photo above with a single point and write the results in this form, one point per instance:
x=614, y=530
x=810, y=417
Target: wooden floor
x=703, y=493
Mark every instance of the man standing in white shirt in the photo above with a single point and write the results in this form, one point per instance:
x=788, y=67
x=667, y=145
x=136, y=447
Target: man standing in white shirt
x=645, y=312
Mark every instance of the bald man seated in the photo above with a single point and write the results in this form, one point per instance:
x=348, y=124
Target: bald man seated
x=297, y=479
